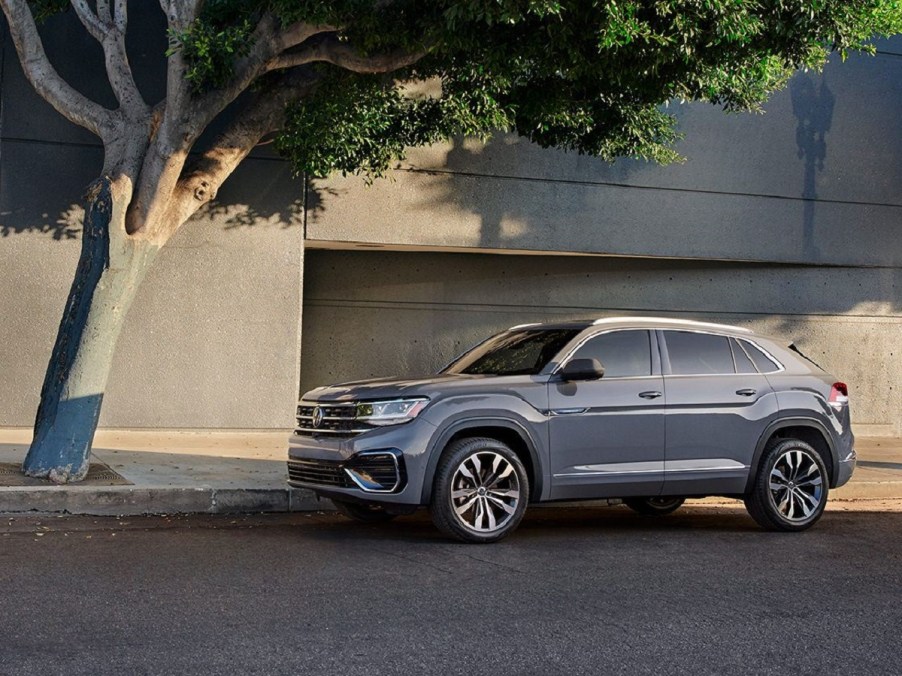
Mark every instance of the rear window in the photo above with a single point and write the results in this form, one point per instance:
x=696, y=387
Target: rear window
x=698, y=353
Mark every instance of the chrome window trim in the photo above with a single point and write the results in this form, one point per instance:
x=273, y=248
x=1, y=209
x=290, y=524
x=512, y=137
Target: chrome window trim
x=722, y=334
x=596, y=334
x=777, y=362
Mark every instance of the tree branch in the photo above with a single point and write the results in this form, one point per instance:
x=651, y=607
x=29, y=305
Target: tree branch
x=261, y=115
x=177, y=131
x=111, y=37
x=345, y=56
x=121, y=14
x=89, y=20
x=103, y=11
x=68, y=102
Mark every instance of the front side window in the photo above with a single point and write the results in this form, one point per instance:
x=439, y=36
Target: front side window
x=622, y=353
x=514, y=353
x=698, y=353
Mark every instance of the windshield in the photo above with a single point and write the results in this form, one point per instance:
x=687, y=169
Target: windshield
x=513, y=353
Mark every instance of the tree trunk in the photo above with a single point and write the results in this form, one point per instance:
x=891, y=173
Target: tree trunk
x=110, y=269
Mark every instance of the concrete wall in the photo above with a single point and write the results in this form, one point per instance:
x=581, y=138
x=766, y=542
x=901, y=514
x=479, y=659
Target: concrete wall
x=213, y=338
x=370, y=314
x=816, y=179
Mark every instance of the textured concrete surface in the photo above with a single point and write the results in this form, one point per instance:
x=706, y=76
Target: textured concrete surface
x=369, y=314
x=574, y=591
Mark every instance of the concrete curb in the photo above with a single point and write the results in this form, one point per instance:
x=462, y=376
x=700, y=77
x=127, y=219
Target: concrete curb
x=135, y=501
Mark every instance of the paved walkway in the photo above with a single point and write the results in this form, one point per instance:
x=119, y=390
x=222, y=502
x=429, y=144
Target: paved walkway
x=233, y=472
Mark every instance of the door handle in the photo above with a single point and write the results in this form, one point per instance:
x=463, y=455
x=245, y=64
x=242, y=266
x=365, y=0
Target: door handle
x=748, y=392
x=651, y=394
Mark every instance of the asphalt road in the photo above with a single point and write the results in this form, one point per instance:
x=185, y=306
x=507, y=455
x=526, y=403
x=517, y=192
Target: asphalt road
x=575, y=591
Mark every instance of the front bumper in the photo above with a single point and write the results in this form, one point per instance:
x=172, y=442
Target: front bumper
x=343, y=468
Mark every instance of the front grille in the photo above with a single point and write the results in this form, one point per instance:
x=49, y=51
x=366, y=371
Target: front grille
x=373, y=472
x=319, y=472
x=332, y=419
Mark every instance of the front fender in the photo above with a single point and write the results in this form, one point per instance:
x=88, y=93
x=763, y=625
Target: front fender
x=527, y=423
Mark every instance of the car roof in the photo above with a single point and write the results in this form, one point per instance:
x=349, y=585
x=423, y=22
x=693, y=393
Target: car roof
x=628, y=322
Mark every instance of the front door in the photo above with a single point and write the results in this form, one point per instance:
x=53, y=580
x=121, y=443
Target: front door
x=607, y=435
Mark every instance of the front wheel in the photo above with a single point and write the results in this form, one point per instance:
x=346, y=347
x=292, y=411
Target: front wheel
x=481, y=490
x=654, y=506
x=790, y=491
x=361, y=512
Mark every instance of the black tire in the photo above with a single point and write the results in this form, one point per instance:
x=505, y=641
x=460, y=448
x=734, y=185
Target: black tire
x=495, y=502
x=361, y=512
x=804, y=483
x=654, y=506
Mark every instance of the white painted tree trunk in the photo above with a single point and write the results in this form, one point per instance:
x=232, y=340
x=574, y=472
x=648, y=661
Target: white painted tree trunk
x=110, y=269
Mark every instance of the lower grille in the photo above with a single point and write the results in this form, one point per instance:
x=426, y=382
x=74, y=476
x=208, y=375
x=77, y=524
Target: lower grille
x=373, y=472
x=319, y=472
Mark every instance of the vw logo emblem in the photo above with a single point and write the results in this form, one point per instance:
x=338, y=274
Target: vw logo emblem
x=317, y=416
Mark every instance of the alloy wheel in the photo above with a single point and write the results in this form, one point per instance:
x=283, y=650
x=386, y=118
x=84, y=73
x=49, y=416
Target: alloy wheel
x=485, y=491
x=796, y=485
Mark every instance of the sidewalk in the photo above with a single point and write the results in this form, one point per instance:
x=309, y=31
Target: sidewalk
x=160, y=472
x=166, y=472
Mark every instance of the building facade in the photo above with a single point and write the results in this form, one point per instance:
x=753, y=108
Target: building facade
x=788, y=222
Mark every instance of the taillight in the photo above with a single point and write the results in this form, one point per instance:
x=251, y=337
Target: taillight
x=839, y=395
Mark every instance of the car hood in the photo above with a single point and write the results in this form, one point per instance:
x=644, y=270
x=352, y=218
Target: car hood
x=388, y=388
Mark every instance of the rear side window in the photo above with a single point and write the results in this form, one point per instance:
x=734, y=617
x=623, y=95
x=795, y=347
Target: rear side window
x=698, y=353
x=622, y=353
x=743, y=362
x=764, y=363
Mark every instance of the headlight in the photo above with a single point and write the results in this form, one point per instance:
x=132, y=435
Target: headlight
x=391, y=412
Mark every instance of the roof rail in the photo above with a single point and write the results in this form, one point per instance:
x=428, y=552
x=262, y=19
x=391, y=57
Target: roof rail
x=670, y=321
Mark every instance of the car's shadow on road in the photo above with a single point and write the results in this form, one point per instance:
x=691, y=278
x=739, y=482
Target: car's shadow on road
x=549, y=524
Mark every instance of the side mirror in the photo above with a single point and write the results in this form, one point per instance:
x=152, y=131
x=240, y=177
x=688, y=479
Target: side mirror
x=582, y=369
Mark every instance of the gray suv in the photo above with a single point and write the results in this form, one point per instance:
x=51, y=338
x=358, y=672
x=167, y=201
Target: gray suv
x=647, y=410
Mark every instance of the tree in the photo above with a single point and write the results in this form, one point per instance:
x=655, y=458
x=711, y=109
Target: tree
x=336, y=82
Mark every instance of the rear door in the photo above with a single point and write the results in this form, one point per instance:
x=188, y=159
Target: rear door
x=607, y=435
x=717, y=407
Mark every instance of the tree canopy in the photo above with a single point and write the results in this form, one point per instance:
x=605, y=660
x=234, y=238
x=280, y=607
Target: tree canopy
x=590, y=76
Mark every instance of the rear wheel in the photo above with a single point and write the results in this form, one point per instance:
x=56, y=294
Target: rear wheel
x=361, y=512
x=654, y=506
x=481, y=491
x=790, y=491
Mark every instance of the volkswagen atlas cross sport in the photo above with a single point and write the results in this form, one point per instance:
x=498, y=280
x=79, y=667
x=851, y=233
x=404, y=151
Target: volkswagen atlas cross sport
x=649, y=411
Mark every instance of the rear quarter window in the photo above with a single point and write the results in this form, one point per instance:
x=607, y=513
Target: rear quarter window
x=763, y=363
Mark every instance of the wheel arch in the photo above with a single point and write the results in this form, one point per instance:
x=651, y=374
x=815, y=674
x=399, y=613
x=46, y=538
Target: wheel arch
x=504, y=430
x=811, y=431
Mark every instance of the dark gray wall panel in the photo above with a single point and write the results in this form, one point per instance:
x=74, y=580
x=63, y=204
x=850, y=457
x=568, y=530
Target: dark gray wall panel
x=369, y=314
